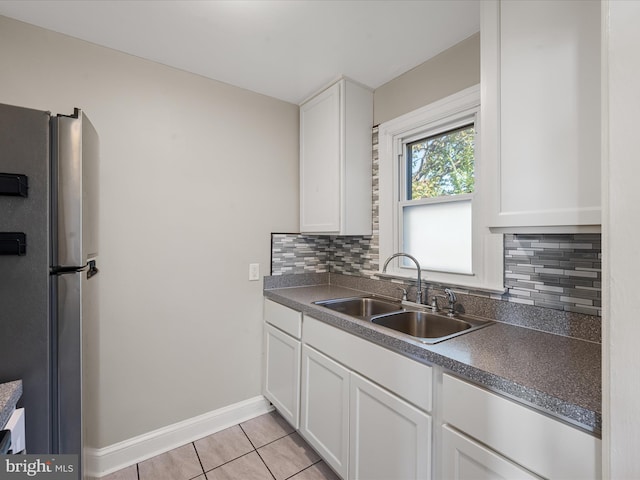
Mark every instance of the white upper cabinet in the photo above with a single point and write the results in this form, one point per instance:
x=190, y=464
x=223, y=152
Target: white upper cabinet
x=335, y=160
x=540, y=129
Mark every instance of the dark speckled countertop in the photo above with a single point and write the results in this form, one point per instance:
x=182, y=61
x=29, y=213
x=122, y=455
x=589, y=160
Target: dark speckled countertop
x=556, y=375
x=10, y=393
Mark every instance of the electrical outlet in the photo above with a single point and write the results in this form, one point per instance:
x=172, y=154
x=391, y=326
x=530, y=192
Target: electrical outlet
x=254, y=271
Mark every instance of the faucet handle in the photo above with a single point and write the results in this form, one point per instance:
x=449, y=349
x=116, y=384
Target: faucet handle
x=404, y=294
x=451, y=296
x=434, y=303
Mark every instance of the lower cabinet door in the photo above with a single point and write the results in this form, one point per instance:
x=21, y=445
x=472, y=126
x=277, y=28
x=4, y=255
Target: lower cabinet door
x=465, y=459
x=324, y=412
x=282, y=373
x=390, y=439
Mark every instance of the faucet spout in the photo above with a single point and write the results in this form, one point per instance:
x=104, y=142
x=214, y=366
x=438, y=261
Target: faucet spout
x=410, y=257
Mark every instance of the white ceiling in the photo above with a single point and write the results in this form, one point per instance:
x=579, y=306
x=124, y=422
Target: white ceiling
x=287, y=49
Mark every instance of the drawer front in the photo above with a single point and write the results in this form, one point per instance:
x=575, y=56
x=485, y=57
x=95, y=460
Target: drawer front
x=539, y=443
x=373, y=361
x=465, y=459
x=284, y=318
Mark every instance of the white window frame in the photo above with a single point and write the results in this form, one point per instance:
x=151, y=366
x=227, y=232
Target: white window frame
x=487, y=248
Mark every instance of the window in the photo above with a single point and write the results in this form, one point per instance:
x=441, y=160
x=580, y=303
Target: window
x=441, y=165
x=436, y=201
x=432, y=202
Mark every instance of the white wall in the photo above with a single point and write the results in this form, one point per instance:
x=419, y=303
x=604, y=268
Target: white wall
x=621, y=327
x=195, y=174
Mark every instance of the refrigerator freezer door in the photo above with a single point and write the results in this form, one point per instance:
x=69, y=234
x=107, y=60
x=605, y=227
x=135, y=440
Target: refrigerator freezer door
x=76, y=157
x=90, y=190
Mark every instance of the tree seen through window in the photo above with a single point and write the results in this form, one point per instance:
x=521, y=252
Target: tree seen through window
x=441, y=165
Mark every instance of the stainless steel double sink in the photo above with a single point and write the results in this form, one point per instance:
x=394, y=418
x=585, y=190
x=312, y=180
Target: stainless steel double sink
x=425, y=326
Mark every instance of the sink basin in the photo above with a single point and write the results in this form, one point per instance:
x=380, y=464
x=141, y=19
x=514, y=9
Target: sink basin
x=429, y=327
x=363, y=307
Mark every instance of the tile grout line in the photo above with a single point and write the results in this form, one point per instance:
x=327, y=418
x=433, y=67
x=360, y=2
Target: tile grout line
x=299, y=471
x=265, y=464
x=204, y=472
x=268, y=443
x=199, y=460
x=305, y=468
x=257, y=452
x=246, y=435
x=254, y=449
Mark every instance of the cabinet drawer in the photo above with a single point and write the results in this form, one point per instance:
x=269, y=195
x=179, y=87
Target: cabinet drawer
x=284, y=318
x=407, y=378
x=545, y=446
x=464, y=459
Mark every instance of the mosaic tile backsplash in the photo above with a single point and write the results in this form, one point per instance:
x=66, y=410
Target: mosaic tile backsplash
x=561, y=272
x=298, y=253
x=555, y=271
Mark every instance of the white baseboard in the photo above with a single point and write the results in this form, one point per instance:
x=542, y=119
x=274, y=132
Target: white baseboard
x=103, y=461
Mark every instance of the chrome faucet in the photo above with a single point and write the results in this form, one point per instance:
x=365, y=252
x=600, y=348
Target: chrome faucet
x=450, y=296
x=384, y=270
x=452, y=301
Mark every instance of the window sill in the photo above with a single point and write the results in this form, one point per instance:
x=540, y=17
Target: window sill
x=459, y=285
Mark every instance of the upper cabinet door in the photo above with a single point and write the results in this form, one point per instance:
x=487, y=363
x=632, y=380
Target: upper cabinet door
x=320, y=155
x=541, y=112
x=335, y=160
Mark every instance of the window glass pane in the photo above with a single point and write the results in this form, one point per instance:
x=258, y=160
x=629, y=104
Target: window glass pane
x=439, y=235
x=441, y=165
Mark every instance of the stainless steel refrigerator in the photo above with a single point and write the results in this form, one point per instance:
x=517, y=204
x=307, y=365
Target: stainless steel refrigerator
x=48, y=281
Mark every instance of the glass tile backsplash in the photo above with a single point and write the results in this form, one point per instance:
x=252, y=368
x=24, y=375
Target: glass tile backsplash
x=562, y=272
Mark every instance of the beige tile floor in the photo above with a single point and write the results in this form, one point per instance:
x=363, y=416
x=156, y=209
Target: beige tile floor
x=263, y=448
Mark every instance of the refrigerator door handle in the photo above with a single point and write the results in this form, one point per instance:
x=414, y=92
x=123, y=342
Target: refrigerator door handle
x=90, y=268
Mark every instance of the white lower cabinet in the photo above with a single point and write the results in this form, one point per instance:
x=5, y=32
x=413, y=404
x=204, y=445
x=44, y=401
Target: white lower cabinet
x=359, y=406
x=390, y=439
x=465, y=459
x=367, y=411
x=324, y=416
x=282, y=373
x=533, y=443
x=282, y=346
